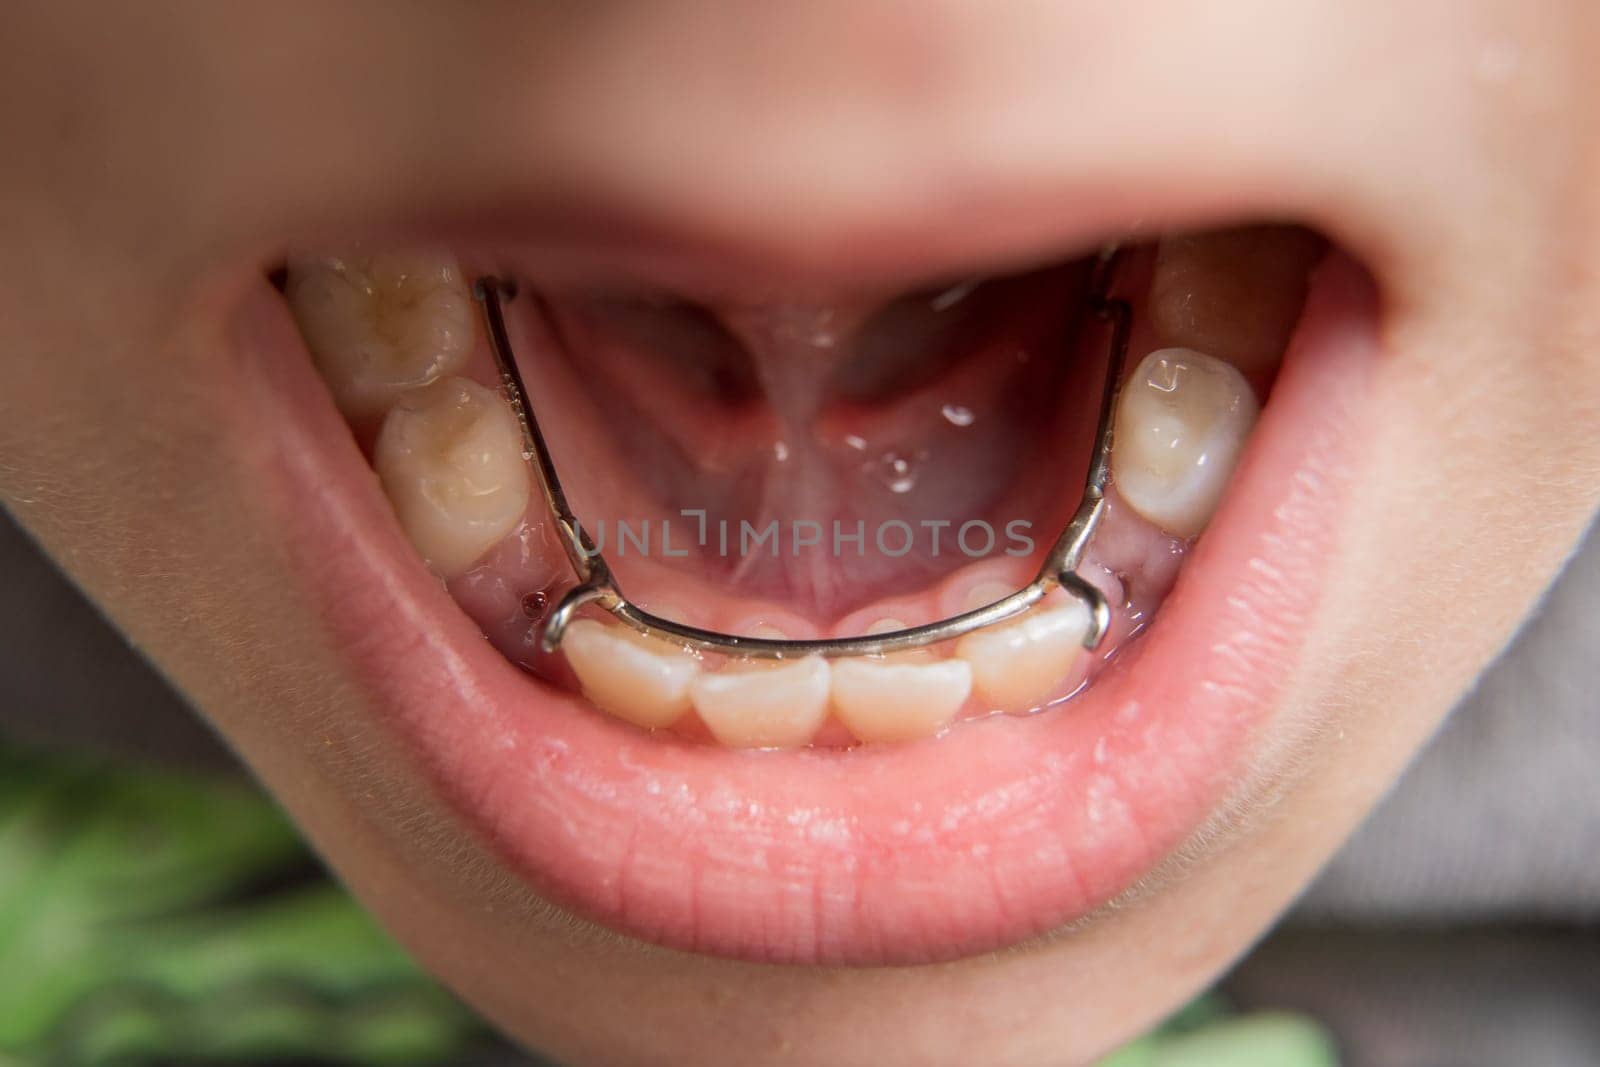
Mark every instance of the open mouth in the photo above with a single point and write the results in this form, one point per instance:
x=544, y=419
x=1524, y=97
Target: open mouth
x=784, y=468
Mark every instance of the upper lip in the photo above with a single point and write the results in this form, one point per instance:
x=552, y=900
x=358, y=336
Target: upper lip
x=920, y=852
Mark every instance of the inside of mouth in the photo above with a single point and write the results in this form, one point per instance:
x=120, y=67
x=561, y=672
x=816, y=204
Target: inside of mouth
x=809, y=464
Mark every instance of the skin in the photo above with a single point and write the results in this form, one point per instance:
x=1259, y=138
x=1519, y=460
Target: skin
x=159, y=157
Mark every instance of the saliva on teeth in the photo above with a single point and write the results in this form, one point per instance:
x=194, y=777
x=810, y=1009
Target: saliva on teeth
x=392, y=337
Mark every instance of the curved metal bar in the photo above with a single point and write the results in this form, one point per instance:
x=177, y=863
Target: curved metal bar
x=598, y=586
x=561, y=617
x=581, y=552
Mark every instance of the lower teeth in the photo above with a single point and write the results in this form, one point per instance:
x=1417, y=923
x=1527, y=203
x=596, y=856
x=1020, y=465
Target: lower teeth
x=449, y=454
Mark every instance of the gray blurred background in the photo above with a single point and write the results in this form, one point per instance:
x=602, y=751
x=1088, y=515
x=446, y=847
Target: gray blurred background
x=1458, y=928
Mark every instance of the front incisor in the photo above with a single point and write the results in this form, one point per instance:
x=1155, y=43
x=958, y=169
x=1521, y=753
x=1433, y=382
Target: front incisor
x=1018, y=666
x=635, y=677
x=899, y=698
x=764, y=705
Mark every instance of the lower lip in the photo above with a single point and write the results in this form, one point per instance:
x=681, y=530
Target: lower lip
x=1001, y=830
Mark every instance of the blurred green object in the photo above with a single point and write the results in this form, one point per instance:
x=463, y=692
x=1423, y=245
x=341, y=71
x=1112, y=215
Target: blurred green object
x=129, y=932
x=1204, y=1035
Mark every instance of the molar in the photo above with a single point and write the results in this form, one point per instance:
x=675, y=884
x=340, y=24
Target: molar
x=764, y=705
x=1018, y=665
x=1182, y=420
x=450, y=460
x=899, y=698
x=379, y=326
x=633, y=676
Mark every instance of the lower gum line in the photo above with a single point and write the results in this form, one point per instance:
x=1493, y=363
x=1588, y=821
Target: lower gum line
x=1132, y=563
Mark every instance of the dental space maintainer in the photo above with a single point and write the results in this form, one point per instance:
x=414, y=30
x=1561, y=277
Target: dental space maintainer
x=597, y=585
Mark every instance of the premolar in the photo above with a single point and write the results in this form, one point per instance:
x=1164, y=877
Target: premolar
x=1018, y=665
x=450, y=459
x=1182, y=421
x=633, y=676
x=764, y=706
x=379, y=326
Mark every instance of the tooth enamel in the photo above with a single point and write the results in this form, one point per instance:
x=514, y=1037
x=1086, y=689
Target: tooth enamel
x=1182, y=421
x=630, y=675
x=1234, y=293
x=381, y=325
x=891, y=625
x=897, y=699
x=777, y=706
x=888, y=625
x=450, y=459
x=1017, y=665
x=985, y=593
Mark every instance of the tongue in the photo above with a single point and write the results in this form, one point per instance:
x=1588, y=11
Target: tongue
x=898, y=421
